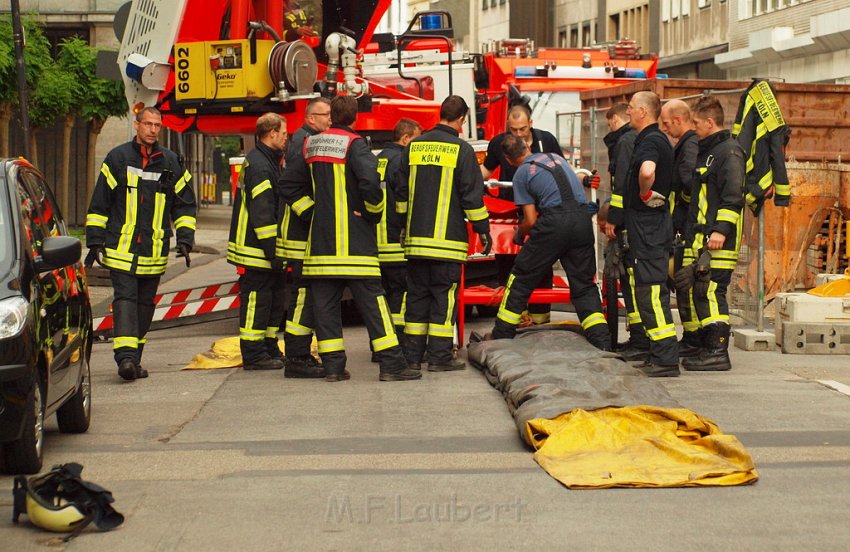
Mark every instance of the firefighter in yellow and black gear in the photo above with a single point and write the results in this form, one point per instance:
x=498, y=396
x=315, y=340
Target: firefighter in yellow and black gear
x=442, y=188
x=251, y=247
x=650, y=231
x=291, y=245
x=620, y=142
x=390, y=250
x=141, y=191
x=715, y=226
x=676, y=123
x=335, y=184
x=560, y=228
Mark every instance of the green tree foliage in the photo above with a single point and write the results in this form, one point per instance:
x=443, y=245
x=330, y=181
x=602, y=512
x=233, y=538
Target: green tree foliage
x=95, y=98
x=52, y=96
x=36, y=57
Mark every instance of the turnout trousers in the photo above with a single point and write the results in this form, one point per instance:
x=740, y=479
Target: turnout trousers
x=262, y=295
x=370, y=301
x=565, y=234
x=685, y=298
x=650, y=245
x=710, y=303
x=431, y=310
x=132, y=311
x=394, y=281
x=300, y=320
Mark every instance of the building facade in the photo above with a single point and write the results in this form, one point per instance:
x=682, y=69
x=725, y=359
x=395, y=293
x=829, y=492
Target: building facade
x=691, y=33
x=489, y=22
x=795, y=40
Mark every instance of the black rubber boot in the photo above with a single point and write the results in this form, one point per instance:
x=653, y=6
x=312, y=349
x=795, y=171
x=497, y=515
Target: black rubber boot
x=127, y=369
x=266, y=363
x=659, y=370
x=448, y=366
x=272, y=349
x=303, y=367
x=715, y=356
x=691, y=344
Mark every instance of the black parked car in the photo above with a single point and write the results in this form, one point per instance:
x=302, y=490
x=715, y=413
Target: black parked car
x=45, y=320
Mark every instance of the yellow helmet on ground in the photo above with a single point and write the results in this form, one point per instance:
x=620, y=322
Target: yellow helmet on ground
x=60, y=501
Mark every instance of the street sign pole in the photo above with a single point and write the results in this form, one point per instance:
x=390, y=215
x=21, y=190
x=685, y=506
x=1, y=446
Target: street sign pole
x=18, y=31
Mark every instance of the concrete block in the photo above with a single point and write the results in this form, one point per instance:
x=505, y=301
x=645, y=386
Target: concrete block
x=804, y=307
x=754, y=340
x=816, y=339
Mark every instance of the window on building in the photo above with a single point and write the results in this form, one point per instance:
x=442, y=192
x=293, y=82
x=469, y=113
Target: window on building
x=665, y=10
x=614, y=27
x=586, y=37
x=485, y=4
x=686, y=8
x=502, y=1
x=703, y=3
x=674, y=12
x=574, y=36
x=562, y=37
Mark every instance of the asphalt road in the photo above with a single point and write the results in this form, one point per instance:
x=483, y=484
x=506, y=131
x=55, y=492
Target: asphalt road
x=234, y=460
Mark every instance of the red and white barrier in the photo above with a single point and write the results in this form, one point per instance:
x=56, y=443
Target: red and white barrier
x=184, y=304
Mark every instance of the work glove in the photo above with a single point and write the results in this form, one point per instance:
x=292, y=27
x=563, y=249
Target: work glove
x=486, y=242
x=592, y=180
x=614, y=267
x=95, y=254
x=654, y=200
x=519, y=239
x=684, y=278
x=278, y=264
x=702, y=274
x=183, y=250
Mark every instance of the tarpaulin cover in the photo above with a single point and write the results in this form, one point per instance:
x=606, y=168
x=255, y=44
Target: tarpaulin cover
x=225, y=353
x=596, y=421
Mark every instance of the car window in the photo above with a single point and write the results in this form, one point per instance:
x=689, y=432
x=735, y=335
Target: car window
x=7, y=234
x=30, y=226
x=49, y=214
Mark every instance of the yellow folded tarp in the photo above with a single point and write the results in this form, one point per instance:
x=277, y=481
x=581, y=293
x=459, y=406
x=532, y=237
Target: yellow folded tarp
x=225, y=353
x=638, y=446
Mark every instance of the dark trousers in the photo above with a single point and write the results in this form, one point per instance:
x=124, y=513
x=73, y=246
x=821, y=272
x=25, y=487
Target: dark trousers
x=262, y=296
x=132, y=311
x=394, y=281
x=370, y=301
x=541, y=313
x=300, y=320
x=431, y=310
x=565, y=235
x=650, y=246
x=710, y=302
x=685, y=299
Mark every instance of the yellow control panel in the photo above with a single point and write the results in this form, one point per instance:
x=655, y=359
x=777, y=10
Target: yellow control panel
x=221, y=70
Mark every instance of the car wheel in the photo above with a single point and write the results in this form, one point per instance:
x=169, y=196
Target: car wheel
x=26, y=454
x=75, y=415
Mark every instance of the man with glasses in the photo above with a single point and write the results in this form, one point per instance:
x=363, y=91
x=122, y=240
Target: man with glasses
x=292, y=242
x=650, y=228
x=141, y=191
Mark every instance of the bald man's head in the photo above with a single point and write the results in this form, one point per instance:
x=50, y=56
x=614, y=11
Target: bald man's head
x=644, y=108
x=675, y=119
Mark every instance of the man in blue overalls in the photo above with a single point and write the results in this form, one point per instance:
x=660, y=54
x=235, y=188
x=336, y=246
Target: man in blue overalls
x=559, y=227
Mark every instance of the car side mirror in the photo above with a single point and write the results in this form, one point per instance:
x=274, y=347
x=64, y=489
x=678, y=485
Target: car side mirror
x=58, y=252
